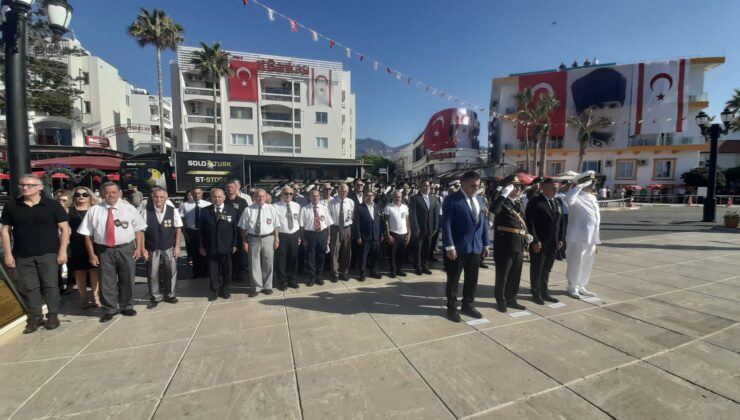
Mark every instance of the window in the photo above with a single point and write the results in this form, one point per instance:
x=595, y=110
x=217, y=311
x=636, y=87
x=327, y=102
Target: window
x=626, y=169
x=85, y=78
x=591, y=165
x=521, y=164
x=240, y=113
x=322, y=143
x=194, y=107
x=88, y=107
x=88, y=132
x=322, y=117
x=663, y=168
x=128, y=100
x=554, y=168
x=242, y=139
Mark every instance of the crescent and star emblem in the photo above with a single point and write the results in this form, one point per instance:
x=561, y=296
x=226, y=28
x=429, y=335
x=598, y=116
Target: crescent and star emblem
x=657, y=77
x=245, y=70
x=441, y=120
x=543, y=85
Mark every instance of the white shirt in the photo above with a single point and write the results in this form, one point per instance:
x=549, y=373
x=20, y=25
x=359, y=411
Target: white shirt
x=128, y=222
x=370, y=209
x=269, y=219
x=584, y=218
x=349, y=208
x=282, y=210
x=397, y=218
x=176, y=219
x=473, y=204
x=426, y=199
x=187, y=211
x=306, y=217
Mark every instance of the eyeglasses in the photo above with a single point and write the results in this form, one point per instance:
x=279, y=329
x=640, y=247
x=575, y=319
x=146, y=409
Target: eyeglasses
x=82, y=194
x=28, y=186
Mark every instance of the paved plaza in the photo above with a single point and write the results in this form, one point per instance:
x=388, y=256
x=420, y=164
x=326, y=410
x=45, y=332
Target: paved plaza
x=661, y=341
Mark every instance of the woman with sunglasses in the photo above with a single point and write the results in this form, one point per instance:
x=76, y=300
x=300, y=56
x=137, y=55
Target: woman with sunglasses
x=82, y=199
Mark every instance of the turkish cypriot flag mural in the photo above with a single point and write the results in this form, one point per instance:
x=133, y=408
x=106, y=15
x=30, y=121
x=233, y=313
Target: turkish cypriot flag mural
x=659, y=99
x=321, y=88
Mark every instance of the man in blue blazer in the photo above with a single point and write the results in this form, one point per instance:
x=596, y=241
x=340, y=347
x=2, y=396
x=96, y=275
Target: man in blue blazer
x=366, y=226
x=465, y=238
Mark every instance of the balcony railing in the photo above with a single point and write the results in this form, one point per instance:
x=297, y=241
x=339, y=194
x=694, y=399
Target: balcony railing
x=280, y=123
x=202, y=119
x=201, y=92
x=281, y=149
x=699, y=97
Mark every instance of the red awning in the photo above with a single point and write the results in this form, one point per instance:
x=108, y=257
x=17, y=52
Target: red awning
x=4, y=176
x=106, y=163
x=656, y=186
x=113, y=177
x=59, y=175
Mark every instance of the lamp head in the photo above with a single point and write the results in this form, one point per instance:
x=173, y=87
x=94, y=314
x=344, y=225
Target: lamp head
x=23, y=6
x=702, y=119
x=59, y=13
x=727, y=117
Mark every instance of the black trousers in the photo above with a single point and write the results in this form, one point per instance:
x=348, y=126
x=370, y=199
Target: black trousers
x=369, y=261
x=540, y=264
x=316, y=250
x=220, y=272
x=433, y=243
x=287, y=257
x=469, y=264
x=192, y=245
x=423, y=251
x=240, y=264
x=560, y=253
x=396, y=252
x=508, y=275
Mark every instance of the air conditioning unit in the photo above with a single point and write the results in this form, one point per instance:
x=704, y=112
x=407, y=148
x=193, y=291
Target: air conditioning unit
x=608, y=163
x=286, y=85
x=643, y=162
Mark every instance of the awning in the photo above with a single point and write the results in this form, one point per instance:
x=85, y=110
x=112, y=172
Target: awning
x=107, y=163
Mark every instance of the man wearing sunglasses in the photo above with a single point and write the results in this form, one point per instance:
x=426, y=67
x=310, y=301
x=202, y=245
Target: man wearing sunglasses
x=40, y=230
x=290, y=239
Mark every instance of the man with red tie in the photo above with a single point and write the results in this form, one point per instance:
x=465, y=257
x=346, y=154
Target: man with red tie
x=315, y=220
x=114, y=237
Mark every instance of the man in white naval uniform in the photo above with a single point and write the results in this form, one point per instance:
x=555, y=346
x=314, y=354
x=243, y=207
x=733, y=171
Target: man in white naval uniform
x=582, y=235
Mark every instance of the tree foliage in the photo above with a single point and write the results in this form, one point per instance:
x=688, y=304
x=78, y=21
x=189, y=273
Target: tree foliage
x=699, y=177
x=734, y=105
x=587, y=124
x=376, y=162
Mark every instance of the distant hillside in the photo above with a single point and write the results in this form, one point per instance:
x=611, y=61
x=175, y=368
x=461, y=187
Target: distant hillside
x=371, y=146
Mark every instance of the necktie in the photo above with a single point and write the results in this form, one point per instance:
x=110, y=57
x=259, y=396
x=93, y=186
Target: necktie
x=316, y=219
x=258, y=224
x=341, y=214
x=472, y=210
x=197, y=215
x=110, y=229
x=552, y=204
x=289, y=216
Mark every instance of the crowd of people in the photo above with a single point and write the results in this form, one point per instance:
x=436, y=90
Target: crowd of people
x=348, y=227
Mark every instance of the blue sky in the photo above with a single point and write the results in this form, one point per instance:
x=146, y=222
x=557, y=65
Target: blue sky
x=458, y=46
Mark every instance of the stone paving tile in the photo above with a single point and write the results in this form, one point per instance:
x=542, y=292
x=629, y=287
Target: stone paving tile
x=128, y=411
x=148, y=328
x=721, y=290
x=236, y=316
x=629, y=335
x=734, y=281
x=334, y=338
x=545, y=311
x=374, y=386
x=713, y=266
x=67, y=340
x=700, y=273
x=27, y=377
x=631, y=285
x=706, y=365
x=471, y=373
x=666, y=278
x=728, y=261
x=320, y=304
x=641, y=391
x=699, y=302
x=237, y=356
x=728, y=339
x=271, y=397
x=559, y=352
x=684, y=321
x=560, y=404
x=126, y=376
x=606, y=295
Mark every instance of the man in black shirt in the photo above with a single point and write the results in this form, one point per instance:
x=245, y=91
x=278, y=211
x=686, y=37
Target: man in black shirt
x=40, y=238
x=240, y=259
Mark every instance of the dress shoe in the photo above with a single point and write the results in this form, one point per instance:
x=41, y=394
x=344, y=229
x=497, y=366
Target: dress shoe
x=33, y=325
x=267, y=291
x=574, y=294
x=392, y=275
x=52, y=321
x=309, y=283
x=128, y=312
x=106, y=318
x=433, y=259
x=515, y=305
x=172, y=300
x=152, y=304
x=225, y=295
x=583, y=292
x=320, y=282
x=454, y=315
x=426, y=271
x=252, y=293
x=361, y=278
x=417, y=272
x=335, y=278
x=400, y=273
x=470, y=311
x=483, y=265
x=281, y=287
x=212, y=297
x=538, y=300
x=501, y=307
x=548, y=298
x=376, y=276
x=343, y=277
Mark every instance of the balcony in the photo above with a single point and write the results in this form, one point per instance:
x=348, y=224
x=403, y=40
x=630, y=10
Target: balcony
x=555, y=144
x=201, y=120
x=280, y=94
x=699, y=97
x=192, y=93
x=279, y=120
x=281, y=149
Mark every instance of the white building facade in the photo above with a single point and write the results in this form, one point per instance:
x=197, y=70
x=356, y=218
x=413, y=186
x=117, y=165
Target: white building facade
x=652, y=139
x=268, y=106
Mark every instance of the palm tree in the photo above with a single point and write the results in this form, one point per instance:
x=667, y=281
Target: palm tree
x=587, y=124
x=212, y=63
x=524, y=115
x=546, y=105
x=158, y=29
x=734, y=106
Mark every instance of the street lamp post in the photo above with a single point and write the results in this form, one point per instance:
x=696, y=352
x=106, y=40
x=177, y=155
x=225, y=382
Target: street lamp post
x=15, y=19
x=712, y=131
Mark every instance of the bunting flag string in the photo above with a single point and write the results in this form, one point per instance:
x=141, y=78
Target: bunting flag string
x=350, y=52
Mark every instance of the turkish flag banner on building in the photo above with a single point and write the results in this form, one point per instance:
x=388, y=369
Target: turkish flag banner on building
x=659, y=97
x=321, y=87
x=553, y=83
x=437, y=135
x=243, y=81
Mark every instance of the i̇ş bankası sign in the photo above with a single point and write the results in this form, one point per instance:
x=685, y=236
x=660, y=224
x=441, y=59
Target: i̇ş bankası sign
x=278, y=67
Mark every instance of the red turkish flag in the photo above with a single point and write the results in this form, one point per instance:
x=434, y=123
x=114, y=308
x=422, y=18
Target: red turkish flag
x=243, y=81
x=437, y=133
x=554, y=83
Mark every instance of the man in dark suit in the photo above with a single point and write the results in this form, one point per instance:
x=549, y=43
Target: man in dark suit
x=218, y=241
x=510, y=242
x=366, y=225
x=544, y=223
x=465, y=238
x=424, y=209
x=356, y=197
